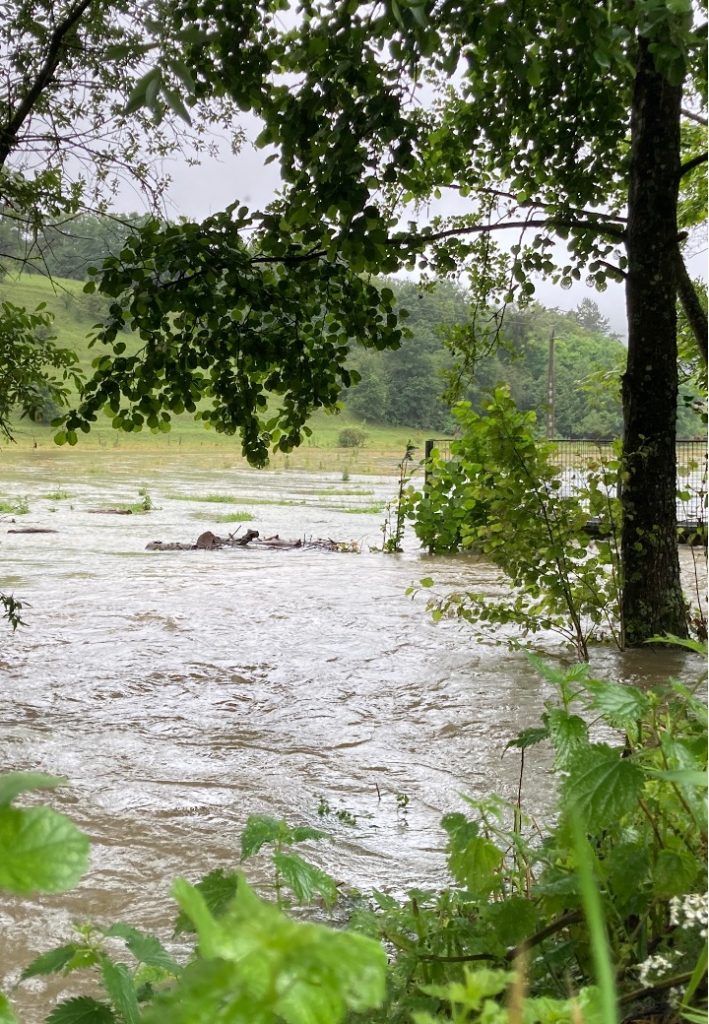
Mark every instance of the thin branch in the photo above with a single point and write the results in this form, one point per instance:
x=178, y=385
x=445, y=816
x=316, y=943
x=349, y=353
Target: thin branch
x=533, y=203
x=8, y=135
x=691, y=164
x=570, y=917
x=694, y=117
x=674, y=981
x=426, y=238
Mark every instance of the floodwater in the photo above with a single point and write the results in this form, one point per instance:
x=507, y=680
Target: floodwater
x=181, y=691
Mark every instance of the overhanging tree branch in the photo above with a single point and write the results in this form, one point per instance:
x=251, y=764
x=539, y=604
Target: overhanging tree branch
x=694, y=117
x=696, y=317
x=691, y=164
x=425, y=238
x=9, y=133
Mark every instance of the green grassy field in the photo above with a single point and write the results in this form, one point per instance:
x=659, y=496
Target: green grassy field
x=75, y=313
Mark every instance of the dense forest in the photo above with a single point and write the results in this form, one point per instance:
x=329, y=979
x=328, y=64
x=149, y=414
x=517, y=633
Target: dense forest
x=408, y=386
x=413, y=386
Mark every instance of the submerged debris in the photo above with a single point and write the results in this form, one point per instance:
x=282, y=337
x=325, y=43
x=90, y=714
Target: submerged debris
x=209, y=541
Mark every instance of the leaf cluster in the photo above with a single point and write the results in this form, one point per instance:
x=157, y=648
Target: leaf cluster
x=501, y=494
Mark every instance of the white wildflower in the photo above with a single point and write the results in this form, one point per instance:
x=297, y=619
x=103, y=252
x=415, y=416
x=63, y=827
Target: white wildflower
x=655, y=967
x=690, y=912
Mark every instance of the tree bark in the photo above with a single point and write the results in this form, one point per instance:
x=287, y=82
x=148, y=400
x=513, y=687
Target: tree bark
x=652, y=595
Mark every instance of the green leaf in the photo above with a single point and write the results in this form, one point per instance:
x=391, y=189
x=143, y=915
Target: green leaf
x=7, y=1015
x=568, y=733
x=472, y=859
x=176, y=104
x=40, y=850
x=51, y=962
x=81, y=1010
x=529, y=738
x=621, y=706
x=261, y=829
x=682, y=776
x=266, y=966
x=674, y=873
x=121, y=990
x=513, y=919
x=218, y=889
x=146, y=948
x=305, y=879
x=14, y=783
x=601, y=786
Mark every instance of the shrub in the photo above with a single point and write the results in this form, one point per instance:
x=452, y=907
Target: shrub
x=351, y=438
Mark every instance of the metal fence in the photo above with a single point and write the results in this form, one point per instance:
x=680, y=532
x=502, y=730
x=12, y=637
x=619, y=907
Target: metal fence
x=573, y=458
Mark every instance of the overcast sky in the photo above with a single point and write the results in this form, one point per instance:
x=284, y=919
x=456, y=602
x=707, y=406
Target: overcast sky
x=197, y=192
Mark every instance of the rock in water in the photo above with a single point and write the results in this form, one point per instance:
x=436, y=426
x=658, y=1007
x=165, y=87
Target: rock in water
x=208, y=540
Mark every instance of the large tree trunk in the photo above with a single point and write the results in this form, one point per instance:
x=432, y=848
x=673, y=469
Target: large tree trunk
x=652, y=595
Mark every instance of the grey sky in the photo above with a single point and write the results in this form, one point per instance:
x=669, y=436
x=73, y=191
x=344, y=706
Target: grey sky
x=199, y=191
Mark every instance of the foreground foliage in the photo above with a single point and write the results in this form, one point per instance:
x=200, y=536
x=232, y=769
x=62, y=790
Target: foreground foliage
x=595, y=915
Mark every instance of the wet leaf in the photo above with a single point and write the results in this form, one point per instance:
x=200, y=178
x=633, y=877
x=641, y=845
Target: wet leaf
x=14, y=783
x=40, y=850
x=81, y=1010
x=601, y=787
x=146, y=948
x=305, y=879
x=121, y=990
x=51, y=962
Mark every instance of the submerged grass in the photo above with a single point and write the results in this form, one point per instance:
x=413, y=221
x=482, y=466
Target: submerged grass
x=18, y=507
x=352, y=510
x=226, y=517
x=57, y=495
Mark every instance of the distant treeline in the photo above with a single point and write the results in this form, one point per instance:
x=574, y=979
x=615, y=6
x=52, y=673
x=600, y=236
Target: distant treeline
x=406, y=386
x=67, y=248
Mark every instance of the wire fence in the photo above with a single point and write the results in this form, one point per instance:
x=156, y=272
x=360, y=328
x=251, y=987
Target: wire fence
x=574, y=457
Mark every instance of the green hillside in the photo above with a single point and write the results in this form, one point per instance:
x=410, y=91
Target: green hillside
x=399, y=397
x=75, y=313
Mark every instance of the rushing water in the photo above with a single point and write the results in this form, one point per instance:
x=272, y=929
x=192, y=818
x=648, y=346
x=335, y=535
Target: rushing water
x=181, y=691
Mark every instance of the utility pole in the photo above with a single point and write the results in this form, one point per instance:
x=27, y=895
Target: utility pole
x=551, y=388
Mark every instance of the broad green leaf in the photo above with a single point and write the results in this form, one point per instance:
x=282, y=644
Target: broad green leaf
x=568, y=733
x=121, y=990
x=268, y=966
x=40, y=850
x=675, y=872
x=475, y=864
x=529, y=738
x=513, y=919
x=194, y=905
x=7, y=1015
x=176, y=104
x=14, y=783
x=302, y=833
x=50, y=962
x=81, y=1010
x=146, y=948
x=619, y=705
x=305, y=879
x=218, y=889
x=261, y=829
x=627, y=866
x=601, y=786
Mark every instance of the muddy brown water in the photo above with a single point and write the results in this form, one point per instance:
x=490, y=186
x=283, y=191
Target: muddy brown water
x=179, y=692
